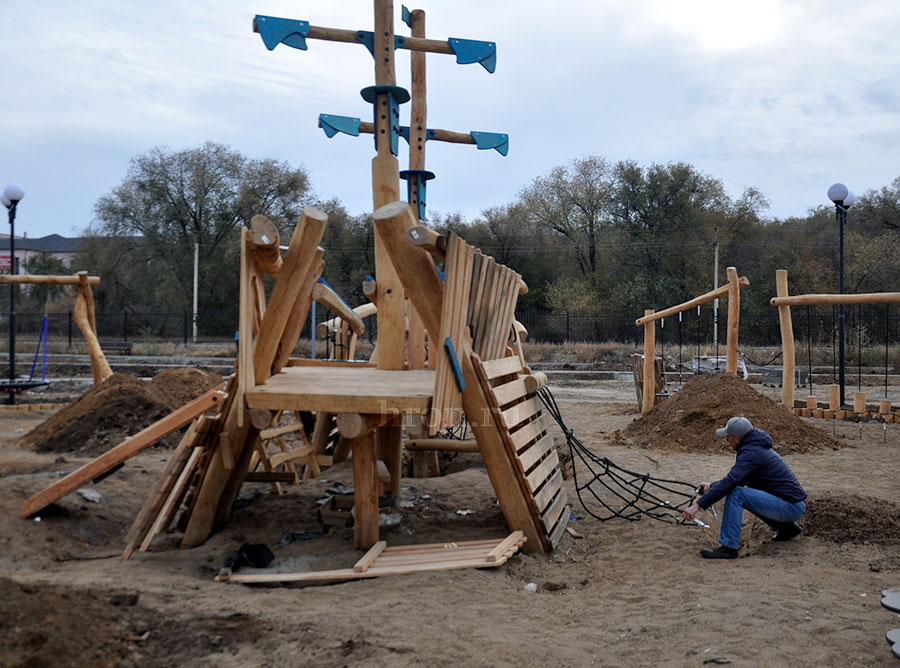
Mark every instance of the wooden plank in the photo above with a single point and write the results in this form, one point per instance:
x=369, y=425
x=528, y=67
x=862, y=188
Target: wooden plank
x=552, y=514
x=290, y=456
x=122, y=452
x=363, y=564
x=505, y=545
x=548, y=491
x=504, y=366
x=502, y=466
x=297, y=263
x=438, y=547
x=345, y=390
x=168, y=507
x=648, y=396
x=536, y=451
x=531, y=431
x=298, y=361
x=266, y=434
x=509, y=392
x=151, y=506
x=560, y=528
x=482, y=318
x=518, y=413
x=542, y=471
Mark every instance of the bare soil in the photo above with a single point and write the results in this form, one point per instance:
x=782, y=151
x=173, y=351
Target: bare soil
x=624, y=594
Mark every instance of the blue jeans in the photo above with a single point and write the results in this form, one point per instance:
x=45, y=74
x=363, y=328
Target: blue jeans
x=775, y=512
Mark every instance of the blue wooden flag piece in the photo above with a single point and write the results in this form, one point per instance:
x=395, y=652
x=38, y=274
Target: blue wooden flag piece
x=495, y=140
x=473, y=51
x=405, y=15
x=332, y=124
x=275, y=31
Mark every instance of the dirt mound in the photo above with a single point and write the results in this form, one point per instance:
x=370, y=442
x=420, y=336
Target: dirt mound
x=185, y=384
x=45, y=625
x=121, y=406
x=850, y=518
x=687, y=421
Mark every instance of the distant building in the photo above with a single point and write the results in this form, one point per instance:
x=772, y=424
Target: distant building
x=61, y=248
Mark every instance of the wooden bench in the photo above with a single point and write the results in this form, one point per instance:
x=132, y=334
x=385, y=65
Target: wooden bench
x=117, y=346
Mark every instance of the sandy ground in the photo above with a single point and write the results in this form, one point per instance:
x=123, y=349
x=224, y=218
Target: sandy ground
x=626, y=594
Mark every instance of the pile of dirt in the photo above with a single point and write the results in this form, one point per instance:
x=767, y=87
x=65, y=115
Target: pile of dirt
x=687, y=421
x=850, y=518
x=185, y=384
x=121, y=406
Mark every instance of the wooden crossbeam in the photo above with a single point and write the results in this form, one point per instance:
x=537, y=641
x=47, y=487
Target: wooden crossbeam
x=35, y=279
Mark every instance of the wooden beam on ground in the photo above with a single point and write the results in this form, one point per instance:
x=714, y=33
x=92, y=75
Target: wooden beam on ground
x=787, y=342
x=122, y=452
x=696, y=301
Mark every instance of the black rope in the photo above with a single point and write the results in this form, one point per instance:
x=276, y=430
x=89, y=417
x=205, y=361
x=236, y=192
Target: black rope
x=641, y=494
x=746, y=356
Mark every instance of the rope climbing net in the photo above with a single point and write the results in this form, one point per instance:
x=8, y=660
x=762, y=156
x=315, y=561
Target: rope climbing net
x=621, y=493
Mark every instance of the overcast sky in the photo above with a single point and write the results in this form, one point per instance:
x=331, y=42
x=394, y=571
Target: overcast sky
x=788, y=97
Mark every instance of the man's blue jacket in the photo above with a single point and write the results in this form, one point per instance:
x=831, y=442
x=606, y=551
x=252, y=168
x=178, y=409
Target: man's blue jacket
x=758, y=466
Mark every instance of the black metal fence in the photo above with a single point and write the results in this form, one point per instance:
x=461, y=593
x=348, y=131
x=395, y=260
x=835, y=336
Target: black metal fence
x=866, y=326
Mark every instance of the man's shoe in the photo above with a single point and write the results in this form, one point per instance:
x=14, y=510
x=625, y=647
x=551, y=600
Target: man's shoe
x=721, y=552
x=787, y=532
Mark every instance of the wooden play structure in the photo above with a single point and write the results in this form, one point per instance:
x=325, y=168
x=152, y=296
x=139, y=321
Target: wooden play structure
x=811, y=407
x=732, y=290
x=84, y=312
x=447, y=347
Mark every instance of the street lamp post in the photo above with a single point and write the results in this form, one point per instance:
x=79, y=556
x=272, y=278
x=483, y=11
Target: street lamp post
x=12, y=195
x=842, y=198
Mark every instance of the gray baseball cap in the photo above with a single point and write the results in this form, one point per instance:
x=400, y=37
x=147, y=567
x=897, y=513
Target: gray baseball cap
x=736, y=426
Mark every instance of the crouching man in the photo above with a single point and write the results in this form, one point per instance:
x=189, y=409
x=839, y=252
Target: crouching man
x=759, y=481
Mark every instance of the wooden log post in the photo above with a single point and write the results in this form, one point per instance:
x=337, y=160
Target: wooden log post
x=266, y=242
x=734, y=317
x=787, y=342
x=649, y=395
x=365, y=484
x=834, y=397
x=811, y=403
x=884, y=407
x=859, y=402
x=84, y=317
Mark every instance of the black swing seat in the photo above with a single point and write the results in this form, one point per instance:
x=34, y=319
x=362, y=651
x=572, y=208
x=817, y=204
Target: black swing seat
x=16, y=386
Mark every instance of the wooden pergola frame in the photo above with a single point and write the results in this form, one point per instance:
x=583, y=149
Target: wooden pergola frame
x=784, y=301
x=732, y=290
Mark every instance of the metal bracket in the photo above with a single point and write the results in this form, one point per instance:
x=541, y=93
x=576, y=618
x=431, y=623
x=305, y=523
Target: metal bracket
x=332, y=124
x=367, y=37
x=495, y=140
x=415, y=188
x=395, y=97
x=275, y=31
x=473, y=51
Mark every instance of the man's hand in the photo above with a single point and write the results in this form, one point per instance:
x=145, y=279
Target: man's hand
x=703, y=487
x=690, y=513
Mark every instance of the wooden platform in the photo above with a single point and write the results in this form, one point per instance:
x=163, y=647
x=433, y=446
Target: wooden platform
x=345, y=389
x=384, y=560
